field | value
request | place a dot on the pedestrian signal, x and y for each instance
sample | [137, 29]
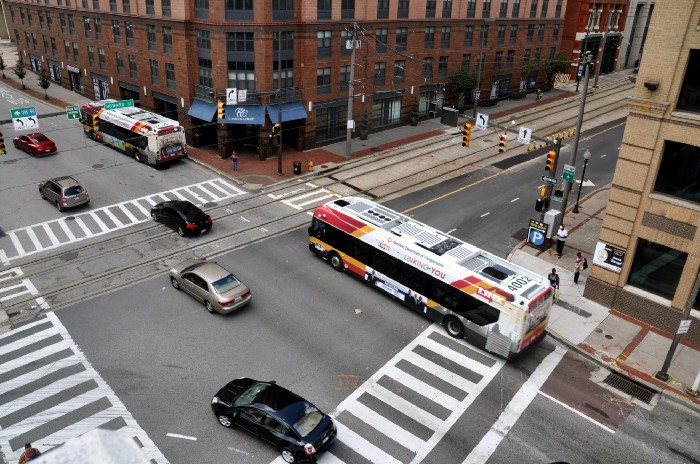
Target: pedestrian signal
[467, 134]
[2, 144]
[502, 143]
[276, 128]
[551, 161]
[220, 110]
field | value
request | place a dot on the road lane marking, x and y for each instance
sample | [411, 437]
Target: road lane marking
[604, 427]
[15, 243]
[113, 218]
[510, 415]
[127, 213]
[81, 224]
[177, 435]
[50, 234]
[485, 214]
[515, 199]
[100, 223]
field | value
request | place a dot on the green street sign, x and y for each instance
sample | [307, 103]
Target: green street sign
[73, 112]
[22, 112]
[119, 104]
[568, 173]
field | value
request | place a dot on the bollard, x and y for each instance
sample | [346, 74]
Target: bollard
[694, 390]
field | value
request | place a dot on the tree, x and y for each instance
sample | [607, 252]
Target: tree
[2, 67]
[20, 71]
[559, 64]
[44, 82]
[462, 82]
[528, 70]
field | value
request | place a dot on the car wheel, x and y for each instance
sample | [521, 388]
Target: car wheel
[15, 144]
[175, 283]
[453, 327]
[209, 307]
[288, 456]
[58, 205]
[41, 193]
[153, 216]
[180, 231]
[336, 262]
[225, 420]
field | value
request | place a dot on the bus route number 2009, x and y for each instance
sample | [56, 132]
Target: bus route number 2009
[519, 283]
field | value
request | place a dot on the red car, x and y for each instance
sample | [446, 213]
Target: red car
[35, 144]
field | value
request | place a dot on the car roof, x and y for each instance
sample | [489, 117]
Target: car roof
[180, 205]
[65, 181]
[211, 271]
[282, 402]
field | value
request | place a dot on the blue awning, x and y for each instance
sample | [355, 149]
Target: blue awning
[290, 111]
[203, 110]
[244, 114]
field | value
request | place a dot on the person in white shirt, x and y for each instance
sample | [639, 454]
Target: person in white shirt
[561, 238]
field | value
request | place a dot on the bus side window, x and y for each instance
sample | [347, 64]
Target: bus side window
[318, 229]
[476, 311]
[358, 249]
[446, 295]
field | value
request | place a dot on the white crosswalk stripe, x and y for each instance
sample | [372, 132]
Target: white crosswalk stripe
[304, 196]
[398, 415]
[49, 392]
[47, 235]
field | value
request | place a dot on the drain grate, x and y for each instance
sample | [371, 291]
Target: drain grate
[630, 387]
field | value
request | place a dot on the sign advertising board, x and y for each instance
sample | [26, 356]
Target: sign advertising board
[609, 257]
[536, 234]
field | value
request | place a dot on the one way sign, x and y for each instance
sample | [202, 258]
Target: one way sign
[24, 118]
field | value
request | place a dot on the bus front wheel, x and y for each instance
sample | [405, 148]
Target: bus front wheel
[336, 262]
[453, 327]
[137, 156]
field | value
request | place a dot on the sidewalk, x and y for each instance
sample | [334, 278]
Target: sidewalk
[616, 341]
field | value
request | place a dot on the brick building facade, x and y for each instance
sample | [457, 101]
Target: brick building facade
[653, 213]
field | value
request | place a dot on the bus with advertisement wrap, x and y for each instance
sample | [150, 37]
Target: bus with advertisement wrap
[492, 303]
[148, 137]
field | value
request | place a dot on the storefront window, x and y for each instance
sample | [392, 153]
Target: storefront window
[657, 268]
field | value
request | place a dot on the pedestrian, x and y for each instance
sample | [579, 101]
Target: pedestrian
[561, 238]
[554, 282]
[579, 266]
[539, 95]
[234, 160]
[29, 454]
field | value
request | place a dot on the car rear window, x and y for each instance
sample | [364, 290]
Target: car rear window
[40, 138]
[309, 421]
[74, 190]
[226, 284]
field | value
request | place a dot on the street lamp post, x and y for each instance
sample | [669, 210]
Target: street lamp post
[586, 157]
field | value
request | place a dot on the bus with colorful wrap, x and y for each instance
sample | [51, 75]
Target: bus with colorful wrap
[148, 137]
[492, 303]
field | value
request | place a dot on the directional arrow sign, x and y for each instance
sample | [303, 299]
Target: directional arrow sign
[482, 121]
[24, 118]
[550, 180]
[73, 112]
[524, 135]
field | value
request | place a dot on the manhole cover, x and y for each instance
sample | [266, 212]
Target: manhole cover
[521, 234]
[633, 389]
[68, 256]
[97, 166]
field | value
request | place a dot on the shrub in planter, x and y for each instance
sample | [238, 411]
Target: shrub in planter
[487, 103]
[518, 96]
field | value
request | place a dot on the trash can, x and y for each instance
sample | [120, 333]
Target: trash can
[449, 117]
[297, 167]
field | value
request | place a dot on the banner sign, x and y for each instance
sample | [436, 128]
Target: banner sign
[609, 257]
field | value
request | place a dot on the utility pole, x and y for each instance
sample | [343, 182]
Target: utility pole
[591, 21]
[599, 65]
[572, 160]
[351, 96]
[279, 101]
[481, 64]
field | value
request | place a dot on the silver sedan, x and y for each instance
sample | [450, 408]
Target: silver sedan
[218, 289]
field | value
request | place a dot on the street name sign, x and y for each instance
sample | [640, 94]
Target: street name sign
[524, 135]
[550, 180]
[73, 112]
[24, 118]
[119, 104]
[568, 173]
[482, 121]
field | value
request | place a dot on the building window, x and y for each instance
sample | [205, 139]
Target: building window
[445, 37]
[471, 8]
[88, 29]
[399, 71]
[323, 81]
[442, 66]
[484, 34]
[555, 32]
[49, 21]
[466, 62]
[657, 268]
[126, 6]
[486, 10]
[133, 70]
[382, 9]
[516, 8]
[468, 36]
[540, 33]
[557, 9]
[71, 24]
[401, 39]
[96, 5]
[323, 44]
[54, 49]
[112, 5]
[429, 37]
[40, 14]
[165, 7]
[498, 62]
[382, 38]
[98, 28]
[120, 63]
[689, 99]
[347, 9]
[513, 33]
[501, 34]
[167, 39]
[428, 69]
[129, 32]
[76, 53]
[244, 42]
[150, 7]
[430, 6]
[679, 172]
[151, 36]
[201, 9]
[203, 40]
[101, 58]
[538, 55]
[241, 74]
[344, 77]
[545, 6]
[287, 74]
[170, 76]
[402, 12]
[34, 44]
[62, 20]
[91, 56]
[29, 18]
[530, 32]
[66, 48]
[446, 8]
[345, 35]
[533, 9]
[379, 73]
[116, 32]
[155, 74]
[323, 9]
[526, 56]
[510, 57]
[204, 72]
[503, 11]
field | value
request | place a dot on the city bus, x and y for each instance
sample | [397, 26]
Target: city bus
[148, 137]
[475, 295]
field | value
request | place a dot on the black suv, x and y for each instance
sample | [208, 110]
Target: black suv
[287, 421]
[183, 216]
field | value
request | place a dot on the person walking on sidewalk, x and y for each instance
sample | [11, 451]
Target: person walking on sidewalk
[579, 266]
[539, 95]
[561, 238]
[554, 282]
[234, 160]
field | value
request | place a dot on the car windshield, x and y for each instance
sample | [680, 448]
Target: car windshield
[40, 138]
[75, 190]
[248, 396]
[309, 421]
[226, 284]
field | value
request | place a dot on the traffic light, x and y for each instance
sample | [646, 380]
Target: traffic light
[220, 110]
[551, 161]
[502, 143]
[276, 129]
[467, 134]
[2, 144]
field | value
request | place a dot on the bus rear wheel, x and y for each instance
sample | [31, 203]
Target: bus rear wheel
[453, 327]
[137, 156]
[336, 262]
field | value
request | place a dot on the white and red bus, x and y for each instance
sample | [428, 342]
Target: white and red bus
[474, 294]
[148, 137]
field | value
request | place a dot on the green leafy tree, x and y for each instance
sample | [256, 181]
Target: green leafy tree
[559, 64]
[20, 71]
[462, 82]
[529, 70]
[2, 67]
[44, 82]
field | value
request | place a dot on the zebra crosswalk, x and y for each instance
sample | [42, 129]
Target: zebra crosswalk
[49, 392]
[401, 413]
[74, 228]
[304, 195]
